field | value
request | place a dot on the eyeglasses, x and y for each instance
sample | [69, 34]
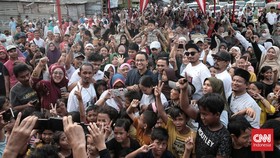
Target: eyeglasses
[140, 60]
[188, 53]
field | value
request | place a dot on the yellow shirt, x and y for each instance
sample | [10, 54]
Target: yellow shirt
[264, 112]
[253, 77]
[176, 141]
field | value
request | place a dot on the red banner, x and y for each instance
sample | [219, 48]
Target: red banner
[143, 5]
[202, 5]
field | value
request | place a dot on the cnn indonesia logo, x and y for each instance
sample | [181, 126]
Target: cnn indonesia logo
[262, 140]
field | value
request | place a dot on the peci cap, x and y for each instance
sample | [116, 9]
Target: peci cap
[155, 44]
[222, 55]
[242, 73]
[10, 47]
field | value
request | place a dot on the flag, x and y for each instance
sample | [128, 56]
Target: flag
[202, 5]
[143, 5]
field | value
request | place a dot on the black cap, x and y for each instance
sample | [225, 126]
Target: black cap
[191, 45]
[222, 55]
[242, 73]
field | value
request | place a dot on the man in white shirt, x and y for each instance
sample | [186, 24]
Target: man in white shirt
[196, 71]
[94, 59]
[37, 40]
[221, 62]
[271, 18]
[86, 87]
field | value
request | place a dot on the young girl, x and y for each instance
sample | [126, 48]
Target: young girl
[256, 90]
[146, 87]
[267, 77]
[62, 144]
[121, 140]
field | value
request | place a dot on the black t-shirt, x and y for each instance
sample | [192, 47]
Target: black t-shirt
[116, 147]
[245, 152]
[149, 154]
[212, 142]
[2, 80]
[273, 154]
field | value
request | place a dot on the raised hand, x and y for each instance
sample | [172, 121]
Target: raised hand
[158, 89]
[145, 148]
[43, 61]
[134, 103]
[120, 59]
[78, 93]
[98, 135]
[53, 109]
[74, 133]
[20, 135]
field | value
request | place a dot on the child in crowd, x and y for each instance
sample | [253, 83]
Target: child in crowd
[175, 124]
[106, 117]
[212, 137]
[91, 114]
[157, 148]
[143, 124]
[240, 132]
[121, 138]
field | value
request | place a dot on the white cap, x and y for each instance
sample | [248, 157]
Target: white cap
[155, 45]
[89, 45]
[182, 39]
[86, 19]
[198, 39]
[9, 47]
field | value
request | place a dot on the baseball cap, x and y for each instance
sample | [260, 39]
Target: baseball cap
[76, 55]
[9, 47]
[198, 40]
[155, 44]
[89, 45]
[191, 45]
[222, 55]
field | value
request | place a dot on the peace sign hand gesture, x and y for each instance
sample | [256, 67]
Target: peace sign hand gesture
[78, 93]
[53, 109]
[158, 89]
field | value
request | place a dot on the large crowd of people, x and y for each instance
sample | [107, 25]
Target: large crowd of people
[169, 82]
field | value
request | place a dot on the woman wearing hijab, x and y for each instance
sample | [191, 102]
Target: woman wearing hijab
[109, 71]
[3, 55]
[271, 58]
[49, 91]
[53, 54]
[114, 97]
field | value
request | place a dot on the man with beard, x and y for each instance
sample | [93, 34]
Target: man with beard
[85, 87]
[21, 94]
[221, 62]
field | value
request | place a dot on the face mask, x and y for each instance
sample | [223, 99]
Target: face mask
[264, 34]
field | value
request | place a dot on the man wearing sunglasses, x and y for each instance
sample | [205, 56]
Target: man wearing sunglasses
[221, 62]
[196, 71]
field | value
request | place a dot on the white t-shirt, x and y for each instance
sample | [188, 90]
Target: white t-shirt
[226, 78]
[149, 99]
[111, 102]
[271, 18]
[243, 101]
[88, 95]
[75, 76]
[197, 74]
[40, 42]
